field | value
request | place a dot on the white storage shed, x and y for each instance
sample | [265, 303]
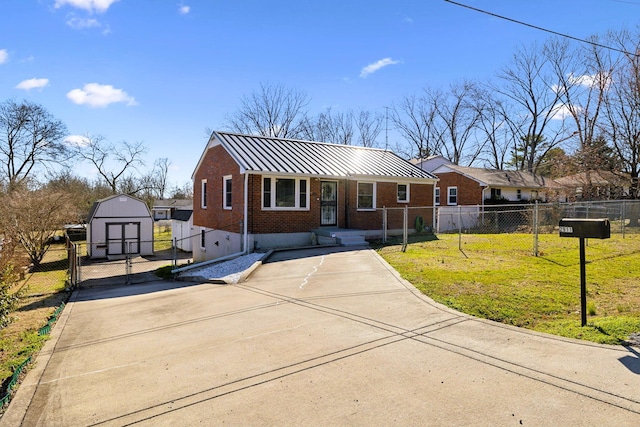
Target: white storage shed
[182, 229]
[119, 225]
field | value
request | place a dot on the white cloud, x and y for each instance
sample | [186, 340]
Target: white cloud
[183, 9]
[372, 68]
[97, 95]
[561, 112]
[77, 141]
[82, 23]
[32, 84]
[90, 6]
[4, 56]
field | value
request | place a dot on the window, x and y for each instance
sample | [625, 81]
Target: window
[202, 239]
[366, 195]
[519, 194]
[285, 193]
[496, 193]
[203, 194]
[403, 193]
[302, 196]
[226, 189]
[437, 196]
[453, 195]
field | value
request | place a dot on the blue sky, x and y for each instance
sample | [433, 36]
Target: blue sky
[161, 72]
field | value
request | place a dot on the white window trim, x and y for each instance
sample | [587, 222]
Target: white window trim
[203, 194]
[273, 194]
[224, 191]
[373, 208]
[408, 199]
[449, 196]
[437, 196]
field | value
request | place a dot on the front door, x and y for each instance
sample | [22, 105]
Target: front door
[329, 203]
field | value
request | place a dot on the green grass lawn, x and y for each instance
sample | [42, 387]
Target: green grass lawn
[496, 277]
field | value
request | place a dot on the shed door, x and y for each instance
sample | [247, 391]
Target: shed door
[123, 238]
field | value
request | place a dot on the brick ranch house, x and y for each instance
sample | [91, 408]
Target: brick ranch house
[460, 185]
[261, 192]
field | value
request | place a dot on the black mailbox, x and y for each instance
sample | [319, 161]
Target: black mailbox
[585, 228]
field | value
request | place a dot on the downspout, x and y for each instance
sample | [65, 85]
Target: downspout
[245, 226]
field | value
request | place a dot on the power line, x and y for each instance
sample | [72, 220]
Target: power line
[541, 28]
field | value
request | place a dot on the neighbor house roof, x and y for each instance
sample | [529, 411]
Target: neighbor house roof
[260, 154]
[499, 178]
[172, 203]
[596, 177]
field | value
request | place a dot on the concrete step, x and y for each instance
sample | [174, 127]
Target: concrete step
[352, 240]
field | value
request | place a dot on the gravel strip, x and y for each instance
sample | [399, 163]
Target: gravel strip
[228, 271]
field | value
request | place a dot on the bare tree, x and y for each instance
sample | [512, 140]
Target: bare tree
[457, 117]
[33, 217]
[115, 163]
[414, 117]
[30, 138]
[529, 82]
[328, 126]
[159, 175]
[495, 129]
[369, 126]
[622, 107]
[272, 111]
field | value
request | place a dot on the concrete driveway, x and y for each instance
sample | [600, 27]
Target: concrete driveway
[316, 338]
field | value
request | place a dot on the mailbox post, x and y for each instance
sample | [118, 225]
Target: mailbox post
[584, 229]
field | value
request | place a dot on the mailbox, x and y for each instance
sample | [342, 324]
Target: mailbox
[585, 228]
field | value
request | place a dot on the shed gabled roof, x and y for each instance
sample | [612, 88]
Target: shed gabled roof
[500, 178]
[182, 214]
[260, 154]
[97, 203]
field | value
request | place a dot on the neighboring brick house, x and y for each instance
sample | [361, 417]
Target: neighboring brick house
[461, 185]
[254, 191]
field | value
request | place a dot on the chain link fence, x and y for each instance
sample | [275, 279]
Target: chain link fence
[530, 227]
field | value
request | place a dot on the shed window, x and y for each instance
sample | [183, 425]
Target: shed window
[366, 195]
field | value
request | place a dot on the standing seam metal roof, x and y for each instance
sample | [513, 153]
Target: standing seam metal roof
[290, 156]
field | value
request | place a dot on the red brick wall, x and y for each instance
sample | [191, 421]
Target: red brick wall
[282, 221]
[387, 196]
[469, 191]
[216, 164]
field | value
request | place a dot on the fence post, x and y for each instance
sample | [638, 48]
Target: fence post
[459, 227]
[405, 228]
[174, 252]
[535, 228]
[623, 218]
[384, 224]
